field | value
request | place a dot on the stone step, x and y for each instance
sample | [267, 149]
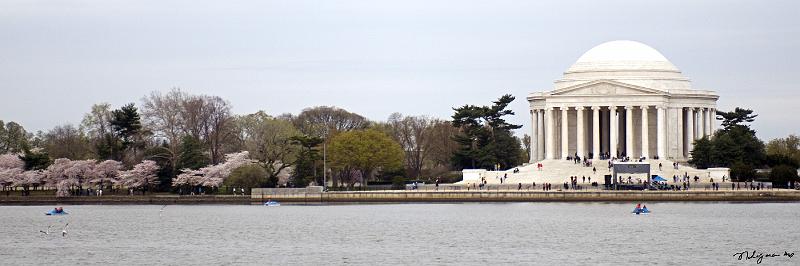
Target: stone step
[559, 171]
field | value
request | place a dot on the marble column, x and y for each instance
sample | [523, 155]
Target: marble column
[707, 126]
[689, 131]
[540, 135]
[581, 136]
[564, 132]
[697, 124]
[550, 141]
[534, 139]
[645, 130]
[629, 131]
[595, 132]
[660, 127]
[614, 125]
[713, 120]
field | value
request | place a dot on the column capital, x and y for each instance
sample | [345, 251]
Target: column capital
[661, 107]
[644, 107]
[596, 107]
[628, 107]
[580, 108]
[564, 108]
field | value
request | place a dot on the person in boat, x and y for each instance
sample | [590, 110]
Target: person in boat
[58, 210]
[644, 209]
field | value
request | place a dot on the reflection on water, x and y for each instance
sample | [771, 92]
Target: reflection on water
[519, 233]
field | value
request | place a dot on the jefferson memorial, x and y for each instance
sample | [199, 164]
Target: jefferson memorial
[620, 99]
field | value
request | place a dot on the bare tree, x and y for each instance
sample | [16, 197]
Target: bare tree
[177, 114]
[193, 115]
[414, 133]
[328, 120]
[97, 123]
[163, 115]
[216, 125]
[442, 144]
[66, 142]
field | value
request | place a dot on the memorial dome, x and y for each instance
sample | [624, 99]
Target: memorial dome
[622, 55]
[625, 61]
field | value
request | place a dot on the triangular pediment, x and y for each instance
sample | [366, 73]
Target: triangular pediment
[606, 87]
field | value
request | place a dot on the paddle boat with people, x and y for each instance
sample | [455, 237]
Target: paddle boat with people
[272, 203]
[56, 211]
[639, 209]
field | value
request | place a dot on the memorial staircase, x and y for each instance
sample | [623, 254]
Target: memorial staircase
[559, 171]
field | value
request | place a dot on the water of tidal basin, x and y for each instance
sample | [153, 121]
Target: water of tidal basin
[460, 234]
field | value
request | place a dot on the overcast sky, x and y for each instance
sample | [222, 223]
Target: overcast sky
[57, 58]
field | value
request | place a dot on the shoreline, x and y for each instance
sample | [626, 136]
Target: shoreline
[420, 197]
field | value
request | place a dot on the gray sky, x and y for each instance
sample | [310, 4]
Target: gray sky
[57, 58]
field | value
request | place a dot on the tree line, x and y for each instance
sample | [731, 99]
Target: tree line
[185, 138]
[736, 146]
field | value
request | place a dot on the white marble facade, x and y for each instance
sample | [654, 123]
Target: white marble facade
[620, 98]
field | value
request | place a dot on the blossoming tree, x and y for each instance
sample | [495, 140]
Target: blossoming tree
[142, 176]
[212, 176]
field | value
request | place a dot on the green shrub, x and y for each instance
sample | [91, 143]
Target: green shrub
[782, 175]
[451, 177]
[247, 176]
[398, 182]
[742, 172]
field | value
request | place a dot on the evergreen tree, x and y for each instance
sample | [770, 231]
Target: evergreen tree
[305, 164]
[35, 160]
[166, 171]
[702, 154]
[127, 124]
[486, 139]
[191, 156]
[735, 145]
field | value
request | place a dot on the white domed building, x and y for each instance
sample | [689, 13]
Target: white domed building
[621, 98]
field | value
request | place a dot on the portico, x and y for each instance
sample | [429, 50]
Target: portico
[620, 99]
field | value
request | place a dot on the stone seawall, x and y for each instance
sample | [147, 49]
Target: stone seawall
[419, 197]
[528, 196]
[157, 199]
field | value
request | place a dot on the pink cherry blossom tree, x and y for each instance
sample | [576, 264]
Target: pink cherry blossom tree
[29, 178]
[141, 176]
[9, 176]
[80, 173]
[57, 175]
[106, 173]
[9, 161]
[213, 175]
[11, 166]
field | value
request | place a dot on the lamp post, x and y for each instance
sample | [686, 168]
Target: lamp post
[325, 161]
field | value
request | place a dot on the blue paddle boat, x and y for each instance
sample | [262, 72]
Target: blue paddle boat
[272, 203]
[56, 211]
[640, 210]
